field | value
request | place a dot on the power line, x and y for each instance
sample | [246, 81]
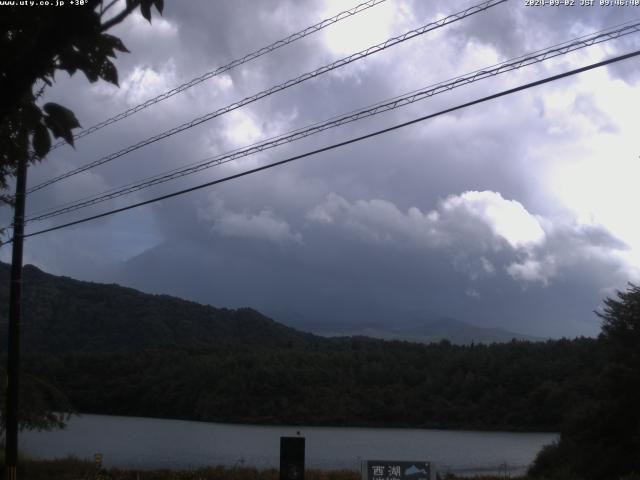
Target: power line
[225, 68]
[593, 38]
[341, 144]
[289, 83]
[391, 104]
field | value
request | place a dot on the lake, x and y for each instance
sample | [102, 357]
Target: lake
[150, 443]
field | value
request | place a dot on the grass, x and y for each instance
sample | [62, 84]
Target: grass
[72, 468]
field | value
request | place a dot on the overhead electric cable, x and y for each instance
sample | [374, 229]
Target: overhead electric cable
[225, 68]
[387, 105]
[341, 144]
[289, 83]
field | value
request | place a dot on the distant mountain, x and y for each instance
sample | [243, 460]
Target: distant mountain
[430, 331]
[63, 315]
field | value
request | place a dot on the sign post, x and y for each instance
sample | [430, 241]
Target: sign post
[291, 458]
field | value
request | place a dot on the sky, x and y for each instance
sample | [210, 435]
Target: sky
[515, 213]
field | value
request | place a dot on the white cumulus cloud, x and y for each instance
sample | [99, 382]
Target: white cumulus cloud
[507, 219]
[482, 233]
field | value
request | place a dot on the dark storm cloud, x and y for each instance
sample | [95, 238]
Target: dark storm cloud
[368, 262]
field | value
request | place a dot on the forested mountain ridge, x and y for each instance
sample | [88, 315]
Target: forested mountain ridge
[429, 330]
[351, 382]
[63, 315]
[115, 350]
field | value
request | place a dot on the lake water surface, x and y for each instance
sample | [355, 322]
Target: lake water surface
[158, 443]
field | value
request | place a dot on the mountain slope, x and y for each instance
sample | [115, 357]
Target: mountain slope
[456, 331]
[412, 328]
[63, 315]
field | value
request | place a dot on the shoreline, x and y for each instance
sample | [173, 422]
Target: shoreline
[381, 426]
[72, 468]
[147, 443]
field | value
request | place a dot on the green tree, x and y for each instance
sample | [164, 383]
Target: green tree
[621, 381]
[43, 406]
[35, 43]
[601, 437]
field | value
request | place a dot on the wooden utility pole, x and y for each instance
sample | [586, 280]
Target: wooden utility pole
[15, 316]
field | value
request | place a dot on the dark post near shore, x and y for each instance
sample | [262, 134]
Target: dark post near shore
[292, 458]
[15, 315]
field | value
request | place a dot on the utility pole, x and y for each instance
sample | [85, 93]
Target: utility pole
[15, 316]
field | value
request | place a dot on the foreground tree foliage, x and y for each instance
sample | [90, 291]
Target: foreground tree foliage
[35, 43]
[43, 406]
[600, 437]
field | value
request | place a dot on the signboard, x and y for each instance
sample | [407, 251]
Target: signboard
[291, 458]
[397, 470]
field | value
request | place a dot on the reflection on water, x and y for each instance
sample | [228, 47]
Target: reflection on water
[151, 443]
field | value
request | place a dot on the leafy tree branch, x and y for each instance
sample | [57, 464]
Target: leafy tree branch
[34, 46]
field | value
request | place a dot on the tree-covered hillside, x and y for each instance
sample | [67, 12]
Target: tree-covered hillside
[63, 315]
[358, 381]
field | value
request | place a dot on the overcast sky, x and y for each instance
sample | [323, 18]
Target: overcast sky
[517, 213]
